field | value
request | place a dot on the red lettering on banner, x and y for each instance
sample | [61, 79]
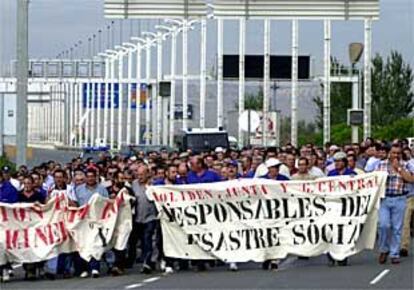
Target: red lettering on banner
[306, 188]
[11, 239]
[50, 233]
[63, 231]
[284, 187]
[26, 237]
[264, 190]
[342, 185]
[81, 213]
[361, 184]
[108, 209]
[160, 198]
[19, 214]
[331, 186]
[41, 234]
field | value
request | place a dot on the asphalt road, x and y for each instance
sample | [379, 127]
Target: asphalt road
[363, 272]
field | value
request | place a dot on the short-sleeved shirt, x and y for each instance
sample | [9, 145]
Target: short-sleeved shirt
[8, 193]
[372, 164]
[208, 176]
[84, 193]
[395, 185]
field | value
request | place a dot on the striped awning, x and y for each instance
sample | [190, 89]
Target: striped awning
[146, 9]
[299, 9]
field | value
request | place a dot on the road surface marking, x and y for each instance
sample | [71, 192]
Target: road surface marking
[146, 281]
[379, 277]
[133, 286]
[150, 280]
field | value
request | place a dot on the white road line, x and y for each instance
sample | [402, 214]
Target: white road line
[132, 286]
[150, 280]
[379, 277]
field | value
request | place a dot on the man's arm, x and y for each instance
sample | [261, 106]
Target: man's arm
[406, 175]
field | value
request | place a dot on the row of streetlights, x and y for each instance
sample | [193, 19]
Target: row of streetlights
[116, 56]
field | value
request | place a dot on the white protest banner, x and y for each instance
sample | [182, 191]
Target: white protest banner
[33, 234]
[258, 219]
[101, 225]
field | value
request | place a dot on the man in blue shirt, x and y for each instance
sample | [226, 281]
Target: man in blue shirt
[199, 172]
[8, 193]
[83, 194]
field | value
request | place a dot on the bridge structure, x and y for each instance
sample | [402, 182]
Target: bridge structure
[97, 99]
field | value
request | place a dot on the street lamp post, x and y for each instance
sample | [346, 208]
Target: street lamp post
[149, 40]
[131, 47]
[122, 52]
[141, 42]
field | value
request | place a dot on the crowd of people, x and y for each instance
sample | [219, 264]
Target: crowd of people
[107, 175]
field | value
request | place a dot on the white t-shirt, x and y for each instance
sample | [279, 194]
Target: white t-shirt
[316, 171]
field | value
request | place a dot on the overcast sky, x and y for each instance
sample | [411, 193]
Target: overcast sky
[55, 25]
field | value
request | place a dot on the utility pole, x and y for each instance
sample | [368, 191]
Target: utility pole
[22, 52]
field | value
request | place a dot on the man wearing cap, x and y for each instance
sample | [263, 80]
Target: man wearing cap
[341, 168]
[273, 166]
[232, 170]
[219, 153]
[6, 171]
[341, 165]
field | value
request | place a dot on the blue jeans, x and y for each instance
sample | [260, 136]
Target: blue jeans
[391, 220]
[61, 264]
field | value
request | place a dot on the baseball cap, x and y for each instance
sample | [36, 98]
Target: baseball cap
[232, 163]
[5, 169]
[333, 148]
[219, 150]
[339, 156]
[272, 162]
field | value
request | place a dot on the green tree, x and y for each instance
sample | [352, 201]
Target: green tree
[252, 101]
[392, 93]
[392, 89]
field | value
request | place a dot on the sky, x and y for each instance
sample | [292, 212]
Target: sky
[56, 25]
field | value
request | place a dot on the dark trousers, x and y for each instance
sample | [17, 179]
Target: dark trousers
[160, 246]
[119, 259]
[81, 265]
[143, 232]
